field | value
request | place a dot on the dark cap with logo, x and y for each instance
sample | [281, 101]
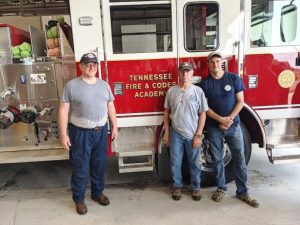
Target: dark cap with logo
[185, 66]
[214, 54]
[89, 58]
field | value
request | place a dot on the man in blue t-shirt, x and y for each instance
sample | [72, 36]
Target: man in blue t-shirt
[225, 98]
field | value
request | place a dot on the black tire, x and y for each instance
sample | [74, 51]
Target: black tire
[207, 172]
[162, 164]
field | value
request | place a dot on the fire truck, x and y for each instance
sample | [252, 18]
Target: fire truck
[139, 44]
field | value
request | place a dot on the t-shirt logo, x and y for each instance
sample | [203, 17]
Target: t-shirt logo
[227, 87]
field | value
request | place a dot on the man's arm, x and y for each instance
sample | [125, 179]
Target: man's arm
[113, 119]
[238, 105]
[197, 139]
[166, 137]
[63, 116]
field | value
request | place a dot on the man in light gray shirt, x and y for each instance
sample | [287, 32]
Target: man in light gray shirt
[85, 106]
[185, 107]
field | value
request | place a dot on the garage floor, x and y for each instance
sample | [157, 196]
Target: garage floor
[39, 194]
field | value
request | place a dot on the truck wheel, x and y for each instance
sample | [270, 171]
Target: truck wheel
[207, 172]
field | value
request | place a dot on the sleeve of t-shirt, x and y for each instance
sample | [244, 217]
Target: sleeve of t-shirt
[202, 85]
[167, 101]
[239, 86]
[66, 94]
[110, 94]
[203, 103]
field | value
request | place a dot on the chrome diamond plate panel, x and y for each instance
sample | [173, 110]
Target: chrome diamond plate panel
[282, 131]
[5, 46]
[69, 70]
[135, 140]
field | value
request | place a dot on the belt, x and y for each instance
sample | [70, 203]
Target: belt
[88, 129]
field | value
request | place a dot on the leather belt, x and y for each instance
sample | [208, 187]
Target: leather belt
[87, 129]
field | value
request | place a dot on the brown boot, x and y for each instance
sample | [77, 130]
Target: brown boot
[81, 208]
[196, 195]
[218, 195]
[102, 200]
[176, 195]
[249, 200]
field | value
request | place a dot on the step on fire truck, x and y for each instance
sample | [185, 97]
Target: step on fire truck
[139, 44]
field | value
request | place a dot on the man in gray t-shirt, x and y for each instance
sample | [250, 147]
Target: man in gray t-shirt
[185, 106]
[85, 107]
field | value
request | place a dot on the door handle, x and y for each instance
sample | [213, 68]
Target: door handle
[45, 69]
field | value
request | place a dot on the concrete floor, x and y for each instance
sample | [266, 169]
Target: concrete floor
[39, 194]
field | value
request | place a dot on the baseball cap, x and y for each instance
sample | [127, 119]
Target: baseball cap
[185, 66]
[89, 58]
[214, 54]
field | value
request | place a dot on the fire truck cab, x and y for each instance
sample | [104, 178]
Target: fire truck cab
[139, 44]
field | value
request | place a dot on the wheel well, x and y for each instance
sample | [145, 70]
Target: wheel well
[254, 125]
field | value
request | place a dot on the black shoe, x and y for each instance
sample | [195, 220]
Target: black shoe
[102, 200]
[81, 208]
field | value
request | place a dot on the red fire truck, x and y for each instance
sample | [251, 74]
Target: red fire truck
[140, 43]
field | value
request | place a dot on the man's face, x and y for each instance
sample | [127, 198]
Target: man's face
[215, 65]
[185, 75]
[89, 69]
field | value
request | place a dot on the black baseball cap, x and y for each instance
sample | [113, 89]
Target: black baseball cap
[88, 58]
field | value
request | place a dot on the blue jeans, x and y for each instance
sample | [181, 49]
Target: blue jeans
[88, 156]
[178, 144]
[234, 139]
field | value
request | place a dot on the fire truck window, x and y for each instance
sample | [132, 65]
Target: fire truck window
[288, 23]
[141, 29]
[274, 23]
[201, 26]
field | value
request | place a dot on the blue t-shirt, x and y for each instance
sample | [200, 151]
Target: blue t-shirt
[221, 95]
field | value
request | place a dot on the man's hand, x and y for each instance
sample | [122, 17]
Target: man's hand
[225, 122]
[65, 141]
[114, 134]
[196, 142]
[166, 139]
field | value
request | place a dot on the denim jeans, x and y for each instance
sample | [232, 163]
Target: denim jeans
[179, 144]
[88, 156]
[234, 139]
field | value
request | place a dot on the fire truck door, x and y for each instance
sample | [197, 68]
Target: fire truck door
[207, 26]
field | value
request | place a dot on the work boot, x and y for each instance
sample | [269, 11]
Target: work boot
[102, 200]
[218, 195]
[176, 195]
[249, 200]
[81, 208]
[196, 195]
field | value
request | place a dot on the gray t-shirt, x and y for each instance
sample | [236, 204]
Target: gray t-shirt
[88, 102]
[185, 106]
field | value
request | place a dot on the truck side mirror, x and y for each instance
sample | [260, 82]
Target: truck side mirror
[288, 23]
